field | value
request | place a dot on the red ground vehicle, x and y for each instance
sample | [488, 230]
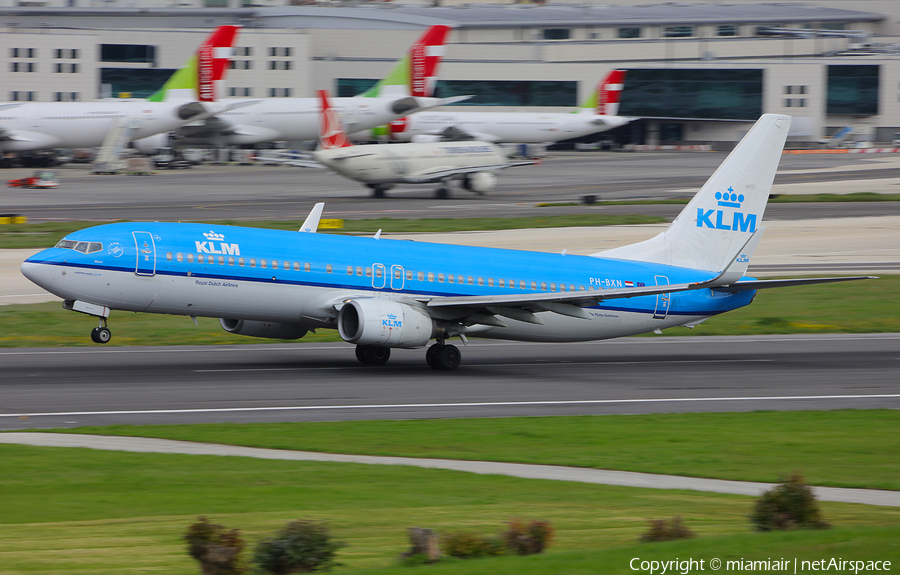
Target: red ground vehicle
[40, 179]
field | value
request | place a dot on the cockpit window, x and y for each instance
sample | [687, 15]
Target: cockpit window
[83, 247]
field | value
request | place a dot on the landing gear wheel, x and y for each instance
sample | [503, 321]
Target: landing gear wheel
[377, 190]
[448, 357]
[101, 335]
[431, 355]
[442, 193]
[372, 355]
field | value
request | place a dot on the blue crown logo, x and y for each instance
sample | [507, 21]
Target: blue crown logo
[730, 199]
[391, 316]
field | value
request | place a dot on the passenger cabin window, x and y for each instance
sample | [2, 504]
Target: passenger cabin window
[190, 258]
[179, 256]
[241, 262]
[349, 270]
[252, 262]
[306, 267]
[328, 268]
[169, 256]
[200, 258]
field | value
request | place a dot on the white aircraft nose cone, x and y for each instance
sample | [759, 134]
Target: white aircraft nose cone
[40, 274]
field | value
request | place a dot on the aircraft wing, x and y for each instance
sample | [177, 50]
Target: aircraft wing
[484, 309]
[442, 173]
[765, 284]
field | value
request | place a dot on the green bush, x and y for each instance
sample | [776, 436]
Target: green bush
[467, 545]
[300, 547]
[527, 538]
[217, 549]
[663, 530]
[789, 505]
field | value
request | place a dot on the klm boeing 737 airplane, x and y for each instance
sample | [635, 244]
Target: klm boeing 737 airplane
[381, 294]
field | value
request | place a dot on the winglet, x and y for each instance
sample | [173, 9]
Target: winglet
[311, 223]
[737, 268]
[331, 129]
[199, 77]
[416, 73]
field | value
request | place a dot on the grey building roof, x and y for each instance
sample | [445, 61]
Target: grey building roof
[399, 17]
[528, 15]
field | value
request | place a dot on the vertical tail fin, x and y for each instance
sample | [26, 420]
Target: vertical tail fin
[331, 129]
[609, 92]
[416, 73]
[721, 218]
[200, 77]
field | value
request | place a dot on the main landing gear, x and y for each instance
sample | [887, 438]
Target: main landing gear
[440, 356]
[443, 356]
[372, 355]
[101, 334]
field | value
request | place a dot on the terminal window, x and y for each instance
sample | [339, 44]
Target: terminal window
[630, 32]
[487, 92]
[678, 31]
[128, 53]
[556, 33]
[733, 94]
[853, 90]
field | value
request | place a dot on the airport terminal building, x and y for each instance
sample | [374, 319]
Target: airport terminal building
[697, 72]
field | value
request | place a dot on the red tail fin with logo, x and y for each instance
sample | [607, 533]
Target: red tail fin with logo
[331, 130]
[609, 92]
[212, 61]
[424, 57]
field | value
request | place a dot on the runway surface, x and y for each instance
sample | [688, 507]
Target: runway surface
[44, 388]
[551, 472]
[248, 193]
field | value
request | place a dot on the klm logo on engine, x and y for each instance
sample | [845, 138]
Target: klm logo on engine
[391, 321]
[718, 219]
[214, 240]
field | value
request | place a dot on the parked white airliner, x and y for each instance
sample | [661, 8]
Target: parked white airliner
[382, 294]
[597, 114]
[406, 89]
[381, 167]
[29, 126]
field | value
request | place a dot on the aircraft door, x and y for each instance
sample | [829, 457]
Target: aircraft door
[378, 276]
[662, 300]
[397, 279]
[145, 264]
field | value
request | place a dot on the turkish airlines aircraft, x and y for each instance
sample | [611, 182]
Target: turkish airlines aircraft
[382, 294]
[406, 89]
[39, 126]
[597, 114]
[381, 167]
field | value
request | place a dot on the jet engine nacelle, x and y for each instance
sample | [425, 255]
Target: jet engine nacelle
[480, 182]
[152, 143]
[266, 329]
[384, 323]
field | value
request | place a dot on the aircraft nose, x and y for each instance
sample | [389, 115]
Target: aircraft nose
[39, 273]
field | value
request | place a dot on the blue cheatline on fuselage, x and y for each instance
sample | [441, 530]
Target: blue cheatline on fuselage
[406, 267]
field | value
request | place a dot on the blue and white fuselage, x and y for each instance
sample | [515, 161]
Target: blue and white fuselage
[382, 294]
[297, 278]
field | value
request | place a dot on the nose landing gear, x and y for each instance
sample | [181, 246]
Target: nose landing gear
[101, 334]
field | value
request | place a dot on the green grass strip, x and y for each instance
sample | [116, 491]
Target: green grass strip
[44, 235]
[76, 511]
[774, 198]
[836, 448]
[868, 306]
